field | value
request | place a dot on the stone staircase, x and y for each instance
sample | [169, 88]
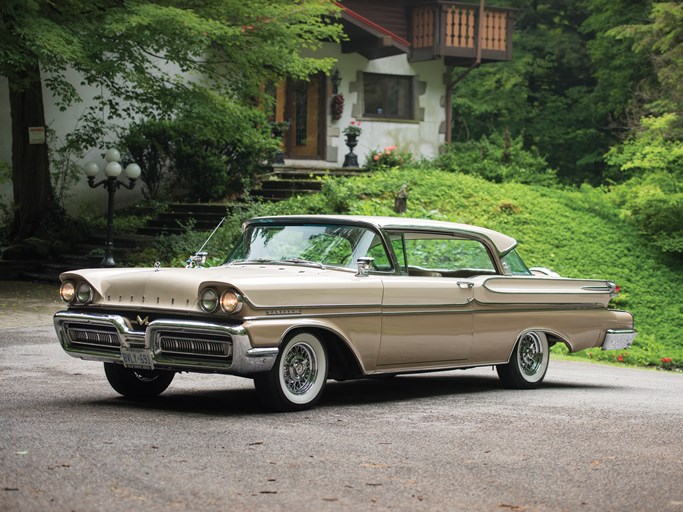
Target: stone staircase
[286, 182]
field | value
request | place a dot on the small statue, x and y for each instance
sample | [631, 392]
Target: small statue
[401, 201]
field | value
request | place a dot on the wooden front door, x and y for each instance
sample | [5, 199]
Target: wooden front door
[305, 111]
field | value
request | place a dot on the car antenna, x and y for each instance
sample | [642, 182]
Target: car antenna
[199, 258]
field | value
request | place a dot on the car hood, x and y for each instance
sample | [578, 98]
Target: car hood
[264, 285]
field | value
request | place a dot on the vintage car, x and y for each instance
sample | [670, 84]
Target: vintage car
[304, 299]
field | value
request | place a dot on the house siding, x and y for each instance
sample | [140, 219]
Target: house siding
[392, 15]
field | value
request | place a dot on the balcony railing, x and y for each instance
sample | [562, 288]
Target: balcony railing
[451, 30]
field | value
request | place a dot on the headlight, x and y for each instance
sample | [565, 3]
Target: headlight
[231, 302]
[83, 293]
[208, 300]
[67, 291]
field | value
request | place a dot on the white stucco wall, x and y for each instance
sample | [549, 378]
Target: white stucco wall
[422, 138]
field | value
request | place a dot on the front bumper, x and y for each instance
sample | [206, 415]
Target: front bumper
[619, 339]
[180, 345]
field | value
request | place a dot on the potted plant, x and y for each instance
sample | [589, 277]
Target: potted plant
[352, 131]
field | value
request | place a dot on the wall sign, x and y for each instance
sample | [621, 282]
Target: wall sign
[36, 135]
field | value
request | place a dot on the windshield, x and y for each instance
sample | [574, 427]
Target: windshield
[325, 244]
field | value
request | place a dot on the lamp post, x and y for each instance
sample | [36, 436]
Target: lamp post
[112, 171]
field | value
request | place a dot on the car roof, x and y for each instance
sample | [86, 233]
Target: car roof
[503, 243]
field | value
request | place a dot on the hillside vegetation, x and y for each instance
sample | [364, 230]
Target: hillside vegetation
[578, 233]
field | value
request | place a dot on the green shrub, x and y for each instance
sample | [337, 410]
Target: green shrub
[149, 143]
[387, 158]
[498, 161]
[653, 198]
[212, 150]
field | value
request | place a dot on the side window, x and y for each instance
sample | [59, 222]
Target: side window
[398, 246]
[446, 256]
[377, 251]
[515, 265]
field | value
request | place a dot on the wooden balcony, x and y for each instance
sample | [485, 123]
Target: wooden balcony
[450, 30]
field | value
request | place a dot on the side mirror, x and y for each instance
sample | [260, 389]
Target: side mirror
[364, 266]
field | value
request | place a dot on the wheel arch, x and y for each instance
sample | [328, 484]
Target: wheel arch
[554, 337]
[343, 362]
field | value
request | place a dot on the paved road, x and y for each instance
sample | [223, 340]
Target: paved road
[594, 438]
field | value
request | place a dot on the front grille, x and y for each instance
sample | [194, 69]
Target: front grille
[101, 336]
[195, 344]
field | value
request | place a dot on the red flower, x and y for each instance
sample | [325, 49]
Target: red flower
[620, 359]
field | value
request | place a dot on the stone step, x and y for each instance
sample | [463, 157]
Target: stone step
[291, 184]
[278, 194]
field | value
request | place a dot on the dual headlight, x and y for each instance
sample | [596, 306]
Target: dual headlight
[229, 301]
[76, 292]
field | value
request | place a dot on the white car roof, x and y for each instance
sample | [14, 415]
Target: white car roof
[503, 243]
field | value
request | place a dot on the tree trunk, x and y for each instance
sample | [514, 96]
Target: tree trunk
[33, 197]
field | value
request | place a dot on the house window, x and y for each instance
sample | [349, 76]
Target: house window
[388, 96]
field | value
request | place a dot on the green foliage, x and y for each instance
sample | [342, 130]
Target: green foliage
[661, 39]
[387, 158]
[234, 45]
[568, 90]
[212, 157]
[497, 159]
[200, 152]
[149, 143]
[126, 221]
[653, 198]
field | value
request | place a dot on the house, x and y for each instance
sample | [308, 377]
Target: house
[395, 75]
[394, 72]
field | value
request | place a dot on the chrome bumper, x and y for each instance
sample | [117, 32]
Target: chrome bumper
[181, 345]
[618, 339]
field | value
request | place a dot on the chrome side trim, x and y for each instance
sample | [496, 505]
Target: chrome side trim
[618, 339]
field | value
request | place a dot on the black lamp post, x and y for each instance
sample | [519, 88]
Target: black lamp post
[112, 171]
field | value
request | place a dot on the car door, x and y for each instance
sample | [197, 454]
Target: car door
[427, 311]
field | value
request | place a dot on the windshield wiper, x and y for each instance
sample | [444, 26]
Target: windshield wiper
[256, 261]
[295, 261]
[300, 261]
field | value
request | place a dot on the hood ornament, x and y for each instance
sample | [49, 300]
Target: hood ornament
[157, 266]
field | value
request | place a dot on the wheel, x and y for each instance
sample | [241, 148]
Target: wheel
[137, 384]
[528, 362]
[298, 377]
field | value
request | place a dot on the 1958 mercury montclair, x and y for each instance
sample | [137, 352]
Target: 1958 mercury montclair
[304, 299]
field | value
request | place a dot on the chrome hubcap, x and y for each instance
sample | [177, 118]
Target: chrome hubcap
[299, 368]
[530, 353]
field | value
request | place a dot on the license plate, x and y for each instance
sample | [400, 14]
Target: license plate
[137, 358]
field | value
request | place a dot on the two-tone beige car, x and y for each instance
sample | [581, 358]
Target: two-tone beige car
[304, 299]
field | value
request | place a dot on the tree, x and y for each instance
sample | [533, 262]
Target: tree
[144, 58]
[567, 89]
[652, 154]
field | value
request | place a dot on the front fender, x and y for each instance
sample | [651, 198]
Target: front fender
[363, 330]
